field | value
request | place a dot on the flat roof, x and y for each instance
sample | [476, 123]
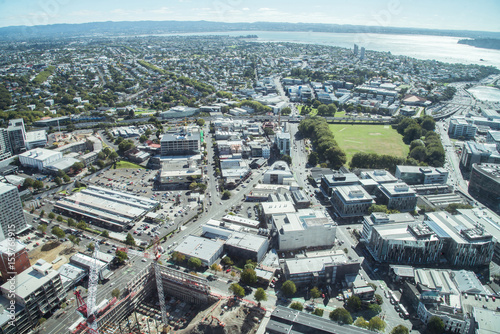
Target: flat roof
[36, 135]
[39, 154]
[29, 281]
[353, 193]
[270, 208]
[487, 321]
[202, 248]
[314, 264]
[6, 246]
[246, 241]
[398, 188]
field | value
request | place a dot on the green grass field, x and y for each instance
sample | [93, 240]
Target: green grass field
[380, 139]
[315, 111]
[127, 164]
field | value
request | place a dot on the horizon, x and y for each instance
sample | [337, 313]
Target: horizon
[426, 14]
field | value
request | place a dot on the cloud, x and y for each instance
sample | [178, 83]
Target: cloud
[246, 8]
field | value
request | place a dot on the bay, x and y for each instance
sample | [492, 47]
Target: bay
[485, 93]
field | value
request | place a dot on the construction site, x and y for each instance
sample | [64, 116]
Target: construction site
[161, 299]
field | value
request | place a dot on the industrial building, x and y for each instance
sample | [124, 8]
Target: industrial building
[303, 229]
[317, 269]
[484, 185]
[12, 220]
[39, 158]
[271, 208]
[37, 292]
[105, 207]
[421, 175]
[84, 261]
[177, 173]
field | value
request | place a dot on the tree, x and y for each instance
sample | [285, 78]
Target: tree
[400, 329]
[28, 183]
[113, 155]
[374, 309]
[361, 322]
[318, 311]
[78, 166]
[66, 178]
[354, 303]
[58, 180]
[52, 215]
[289, 288]
[193, 186]
[341, 315]
[120, 257]
[336, 157]
[435, 325]
[227, 261]
[41, 321]
[315, 293]
[74, 240]
[143, 138]
[115, 293]
[105, 234]
[42, 213]
[178, 257]
[286, 158]
[129, 240]
[237, 290]
[42, 228]
[194, 262]
[376, 324]
[59, 218]
[81, 225]
[215, 267]
[313, 159]
[38, 184]
[249, 276]
[226, 194]
[260, 295]
[297, 306]
[200, 122]
[91, 247]
[378, 299]
[58, 232]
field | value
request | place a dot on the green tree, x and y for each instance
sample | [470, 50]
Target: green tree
[289, 288]
[58, 180]
[361, 322]
[318, 311]
[81, 225]
[297, 306]
[249, 276]
[194, 262]
[59, 218]
[178, 257]
[42, 228]
[313, 159]
[376, 324]
[28, 182]
[66, 178]
[286, 158]
[237, 290]
[71, 222]
[435, 325]
[193, 186]
[52, 215]
[78, 166]
[105, 234]
[58, 232]
[129, 240]
[200, 122]
[315, 293]
[400, 329]
[226, 194]
[378, 299]
[113, 155]
[120, 257]
[143, 138]
[374, 309]
[215, 267]
[91, 246]
[341, 315]
[260, 295]
[74, 240]
[227, 261]
[42, 213]
[38, 184]
[354, 303]
[115, 293]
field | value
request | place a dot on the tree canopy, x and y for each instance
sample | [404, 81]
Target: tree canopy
[289, 288]
[341, 315]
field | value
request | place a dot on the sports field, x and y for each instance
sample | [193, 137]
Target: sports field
[380, 139]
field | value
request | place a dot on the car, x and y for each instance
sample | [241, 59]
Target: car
[271, 285]
[143, 260]
[228, 270]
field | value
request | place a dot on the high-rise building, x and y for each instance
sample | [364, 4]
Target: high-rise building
[362, 54]
[186, 142]
[356, 49]
[5, 147]
[13, 258]
[12, 220]
[17, 135]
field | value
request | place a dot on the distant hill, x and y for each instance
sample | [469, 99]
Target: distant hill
[162, 27]
[485, 43]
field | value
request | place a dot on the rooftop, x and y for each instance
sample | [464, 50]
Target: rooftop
[314, 264]
[194, 246]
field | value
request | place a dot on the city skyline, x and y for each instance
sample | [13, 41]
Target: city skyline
[447, 14]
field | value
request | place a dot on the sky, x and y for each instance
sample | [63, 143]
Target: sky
[480, 15]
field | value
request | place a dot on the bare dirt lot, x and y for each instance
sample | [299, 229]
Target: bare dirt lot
[224, 317]
[50, 251]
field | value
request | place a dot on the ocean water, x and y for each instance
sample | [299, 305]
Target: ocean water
[485, 93]
[441, 48]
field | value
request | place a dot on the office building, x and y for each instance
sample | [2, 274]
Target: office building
[493, 137]
[36, 139]
[336, 179]
[397, 196]
[319, 269]
[208, 251]
[304, 229]
[478, 153]
[380, 218]
[421, 175]
[12, 220]
[460, 128]
[5, 147]
[282, 141]
[484, 321]
[13, 258]
[356, 49]
[186, 142]
[350, 201]
[466, 244]
[484, 185]
[17, 135]
[362, 53]
[177, 173]
[37, 292]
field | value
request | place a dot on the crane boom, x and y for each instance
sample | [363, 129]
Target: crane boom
[92, 290]
[159, 282]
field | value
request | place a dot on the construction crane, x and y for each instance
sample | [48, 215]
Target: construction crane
[159, 283]
[87, 310]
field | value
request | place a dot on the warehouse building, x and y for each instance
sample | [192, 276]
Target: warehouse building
[39, 158]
